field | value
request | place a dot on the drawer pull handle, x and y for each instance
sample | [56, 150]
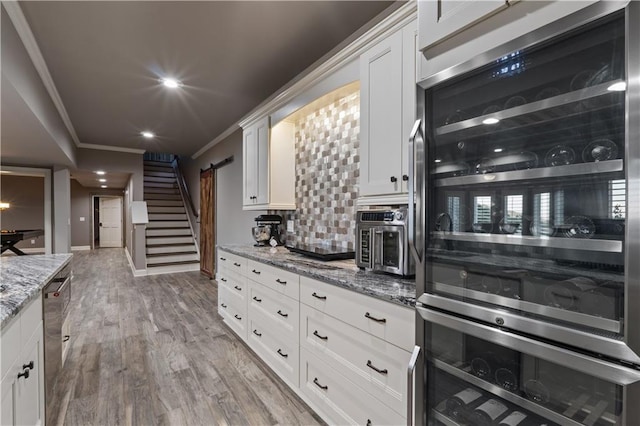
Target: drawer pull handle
[319, 297]
[282, 354]
[66, 338]
[377, 370]
[255, 272]
[279, 281]
[223, 280]
[257, 300]
[256, 333]
[317, 383]
[24, 374]
[237, 317]
[237, 264]
[368, 315]
[237, 288]
[223, 259]
[29, 366]
[315, 333]
[223, 305]
[282, 314]
[369, 420]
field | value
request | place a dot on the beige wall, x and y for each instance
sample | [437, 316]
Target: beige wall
[233, 225]
[81, 208]
[26, 196]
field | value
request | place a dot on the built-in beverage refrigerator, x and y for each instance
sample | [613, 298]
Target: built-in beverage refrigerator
[525, 218]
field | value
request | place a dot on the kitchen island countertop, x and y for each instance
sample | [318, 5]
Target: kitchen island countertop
[342, 273]
[22, 278]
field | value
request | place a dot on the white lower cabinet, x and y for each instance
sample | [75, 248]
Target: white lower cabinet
[342, 352]
[340, 401]
[22, 385]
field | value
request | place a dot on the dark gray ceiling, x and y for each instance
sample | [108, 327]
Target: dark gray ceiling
[106, 58]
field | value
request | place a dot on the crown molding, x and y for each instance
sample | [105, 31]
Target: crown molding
[323, 68]
[26, 35]
[111, 148]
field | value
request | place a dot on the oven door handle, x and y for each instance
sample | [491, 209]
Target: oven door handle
[56, 292]
[411, 187]
[411, 368]
[608, 371]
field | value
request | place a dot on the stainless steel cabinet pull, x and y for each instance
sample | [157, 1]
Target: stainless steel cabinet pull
[255, 272]
[256, 333]
[256, 299]
[66, 338]
[237, 317]
[377, 370]
[282, 314]
[279, 281]
[317, 383]
[319, 297]
[282, 355]
[223, 305]
[237, 264]
[410, 370]
[237, 288]
[223, 280]
[368, 315]
[315, 333]
[223, 259]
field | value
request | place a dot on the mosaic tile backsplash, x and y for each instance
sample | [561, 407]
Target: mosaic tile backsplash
[327, 172]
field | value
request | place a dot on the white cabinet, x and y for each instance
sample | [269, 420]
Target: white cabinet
[268, 164]
[387, 111]
[451, 32]
[442, 19]
[22, 385]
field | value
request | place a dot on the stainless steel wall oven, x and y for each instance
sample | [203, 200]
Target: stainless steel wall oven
[525, 224]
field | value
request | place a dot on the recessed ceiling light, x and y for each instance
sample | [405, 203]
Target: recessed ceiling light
[497, 150]
[620, 86]
[147, 135]
[103, 186]
[100, 172]
[171, 83]
[438, 160]
[102, 180]
[490, 120]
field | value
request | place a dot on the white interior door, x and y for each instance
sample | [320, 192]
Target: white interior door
[110, 222]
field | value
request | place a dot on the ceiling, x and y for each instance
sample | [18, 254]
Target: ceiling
[113, 180]
[106, 59]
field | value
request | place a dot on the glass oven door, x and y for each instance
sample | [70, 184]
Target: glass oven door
[480, 375]
[533, 170]
[389, 248]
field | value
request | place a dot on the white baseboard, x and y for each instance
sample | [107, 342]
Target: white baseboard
[134, 271]
[80, 248]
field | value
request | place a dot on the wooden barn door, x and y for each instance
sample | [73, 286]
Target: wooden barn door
[207, 219]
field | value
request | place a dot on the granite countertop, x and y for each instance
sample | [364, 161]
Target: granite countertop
[22, 278]
[342, 273]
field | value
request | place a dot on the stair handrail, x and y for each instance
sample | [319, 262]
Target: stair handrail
[175, 163]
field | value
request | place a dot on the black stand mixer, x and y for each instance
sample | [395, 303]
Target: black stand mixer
[267, 229]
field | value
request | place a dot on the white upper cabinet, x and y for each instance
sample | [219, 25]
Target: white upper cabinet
[445, 18]
[387, 109]
[268, 164]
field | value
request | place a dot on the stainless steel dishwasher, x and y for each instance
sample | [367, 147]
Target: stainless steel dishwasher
[56, 298]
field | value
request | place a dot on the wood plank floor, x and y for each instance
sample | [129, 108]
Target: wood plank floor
[153, 350]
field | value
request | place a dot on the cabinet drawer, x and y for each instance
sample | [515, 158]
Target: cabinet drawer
[233, 316]
[280, 353]
[232, 261]
[390, 322]
[284, 312]
[368, 361]
[30, 319]
[10, 348]
[339, 399]
[231, 271]
[236, 287]
[279, 280]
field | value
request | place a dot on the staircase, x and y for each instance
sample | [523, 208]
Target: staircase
[171, 246]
